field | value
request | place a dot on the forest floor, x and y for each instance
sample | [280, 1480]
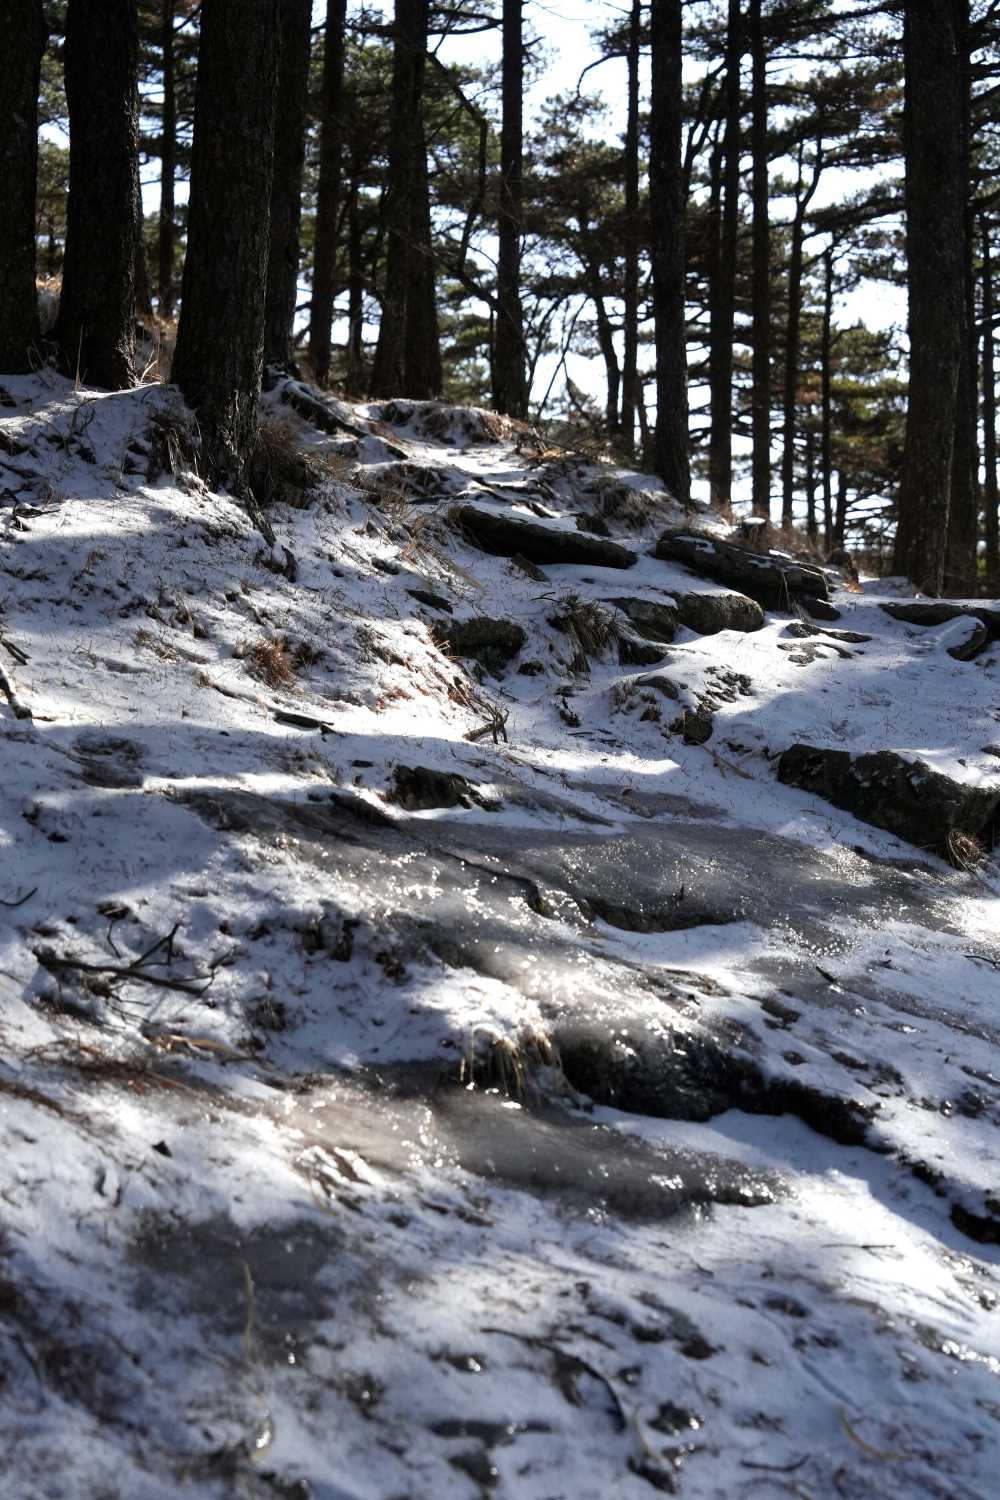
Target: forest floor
[448, 1061]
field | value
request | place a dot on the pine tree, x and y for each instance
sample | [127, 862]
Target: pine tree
[96, 307]
[408, 357]
[510, 391]
[331, 138]
[286, 183]
[220, 340]
[23, 25]
[667, 212]
[935, 247]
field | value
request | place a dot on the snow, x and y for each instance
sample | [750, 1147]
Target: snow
[274, 1227]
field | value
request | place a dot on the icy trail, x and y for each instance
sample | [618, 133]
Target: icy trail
[574, 1110]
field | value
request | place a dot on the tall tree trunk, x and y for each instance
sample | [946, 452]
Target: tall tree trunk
[605, 341]
[840, 519]
[294, 42]
[826, 399]
[761, 399]
[720, 442]
[354, 380]
[935, 244]
[667, 212]
[168, 167]
[510, 389]
[95, 325]
[23, 24]
[407, 349]
[331, 147]
[632, 236]
[423, 371]
[220, 341]
[811, 527]
[960, 577]
[991, 516]
[803, 197]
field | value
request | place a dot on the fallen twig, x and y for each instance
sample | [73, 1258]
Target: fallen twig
[20, 710]
[21, 899]
[867, 1447]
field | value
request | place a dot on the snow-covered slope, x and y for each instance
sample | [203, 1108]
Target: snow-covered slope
[439, 1054]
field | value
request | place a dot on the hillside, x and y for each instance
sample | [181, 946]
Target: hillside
[486, 1007]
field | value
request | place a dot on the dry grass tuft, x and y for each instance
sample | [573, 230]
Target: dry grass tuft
[964, 851]
[286, 469]
[275, 660]
[500, 1062]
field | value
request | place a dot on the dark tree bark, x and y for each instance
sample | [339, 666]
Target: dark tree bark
[667, 212]
[803, 197]
[826, 400]
[22, 25]
[631, 394]
[811, 526]
[354, 379]
[960, 577]
[606, 343]
[761, 397]
[722, 312]
[295, 38]
[424, 373]
[328, 191]
[220, 341]
[168, 167]
[935, 243]
[840, 517]
[407, 357]
[991, 494]
[96, 307]
[510, 387]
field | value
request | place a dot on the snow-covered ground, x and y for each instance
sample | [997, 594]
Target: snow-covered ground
[613, 1119]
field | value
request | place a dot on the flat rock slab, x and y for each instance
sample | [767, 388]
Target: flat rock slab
[772, 581]
[511, 536]
[906, 797]
[940, 611]
[707, 614]
[493, 643]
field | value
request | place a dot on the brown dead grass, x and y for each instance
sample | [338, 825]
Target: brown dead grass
[275, 660]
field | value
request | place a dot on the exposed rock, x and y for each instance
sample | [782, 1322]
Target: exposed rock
[418, 788]
[529, 570]
[842, 559]
[432, 600]
[593, 628]
[709, 613]
[510, 536]
[694, 724]
[490, 642]
[940, 611]
[588, 520]
[802, 629]
[820, 609]
[773, 581]
[906, 797]
[975, 640]
[654, 621]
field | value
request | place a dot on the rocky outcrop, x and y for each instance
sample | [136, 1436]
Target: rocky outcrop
[512, 536]
[905, 797]
[707, 614]
[773, 581]
[492, 643]
[652, 620]
[940, 611]
[418, 788]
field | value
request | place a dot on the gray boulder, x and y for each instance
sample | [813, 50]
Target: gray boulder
[906, 797]
[513, 536]
[775, 582]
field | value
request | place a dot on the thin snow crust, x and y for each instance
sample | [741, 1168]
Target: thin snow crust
[303, 1193]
